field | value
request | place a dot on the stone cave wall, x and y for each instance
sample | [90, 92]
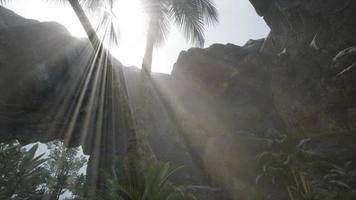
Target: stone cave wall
[300, 79]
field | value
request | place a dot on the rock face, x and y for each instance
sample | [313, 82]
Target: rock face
[313, 84]
[43, 71]
[327, 26]
[235, 83]
[237, 109]
[9, 19]
[218, 102]
[300, 80]
[37, 61]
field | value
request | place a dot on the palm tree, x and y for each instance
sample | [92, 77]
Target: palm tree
[90, 31]
[93, 37]
[189, 15]
[115, 88]
[97, 44]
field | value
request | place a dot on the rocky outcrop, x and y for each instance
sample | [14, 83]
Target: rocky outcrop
[235, 82]
[312, 79]
[9, 19]
[37, 62]
[300, 80]
[326, 26]
[44, 72]
[225, 130]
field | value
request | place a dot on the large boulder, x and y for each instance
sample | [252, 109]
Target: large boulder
[37, 67]
[222, 95]
[313, 91]
[47, 93]
[218, 102]
[298, 24]
[300, 80]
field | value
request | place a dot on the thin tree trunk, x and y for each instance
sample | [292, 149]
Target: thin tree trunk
[97, 45]
[147, 59]
[93, 37]
[56, 193]
[118, 93]
[147, 84]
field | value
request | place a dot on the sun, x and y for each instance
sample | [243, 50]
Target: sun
[132, 35]
[131, 19]
[133, 22]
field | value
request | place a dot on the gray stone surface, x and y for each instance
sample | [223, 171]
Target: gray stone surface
[218, 102]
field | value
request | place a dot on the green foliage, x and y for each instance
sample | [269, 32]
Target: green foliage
[342, 176]
[191, 16]
[286, 155]
[64, 165]
[79, 189]
[342, 180]
[305, 189]
[25, 175]
[304, 175]
[148, 181]
[22, 172]
[188, 15]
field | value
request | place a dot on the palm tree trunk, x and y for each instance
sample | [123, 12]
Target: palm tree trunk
[147, 84]
[147, 59]
[96, 177]
[93, 37]
[97, 45]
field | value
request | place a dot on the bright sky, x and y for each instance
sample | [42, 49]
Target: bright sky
[238, 23]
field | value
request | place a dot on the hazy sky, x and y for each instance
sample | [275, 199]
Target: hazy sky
[238, 23]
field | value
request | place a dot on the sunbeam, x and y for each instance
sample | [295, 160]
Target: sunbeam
[132, 38]
[270, 118]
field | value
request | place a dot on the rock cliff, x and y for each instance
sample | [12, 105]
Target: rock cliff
[37, 61]
[313, 77]
[219, 101]
[299, 80]
[43, 71]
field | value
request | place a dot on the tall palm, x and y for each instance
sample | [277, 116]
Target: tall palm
[117, 91]
[190, 16]
[115, 88]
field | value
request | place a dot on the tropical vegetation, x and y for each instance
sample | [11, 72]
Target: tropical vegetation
[149, 180]
[26, 174]
[299, 173]
[22, 172]
[191, 16]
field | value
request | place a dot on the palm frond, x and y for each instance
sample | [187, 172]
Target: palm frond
[208, 10]
[190, 16]
[56, 2]
[186, 16]
[3, 2]
[107, 26]
[159, 28]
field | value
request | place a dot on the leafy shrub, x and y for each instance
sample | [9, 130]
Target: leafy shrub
[22, 174]
[301, 174]
[148, 181]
